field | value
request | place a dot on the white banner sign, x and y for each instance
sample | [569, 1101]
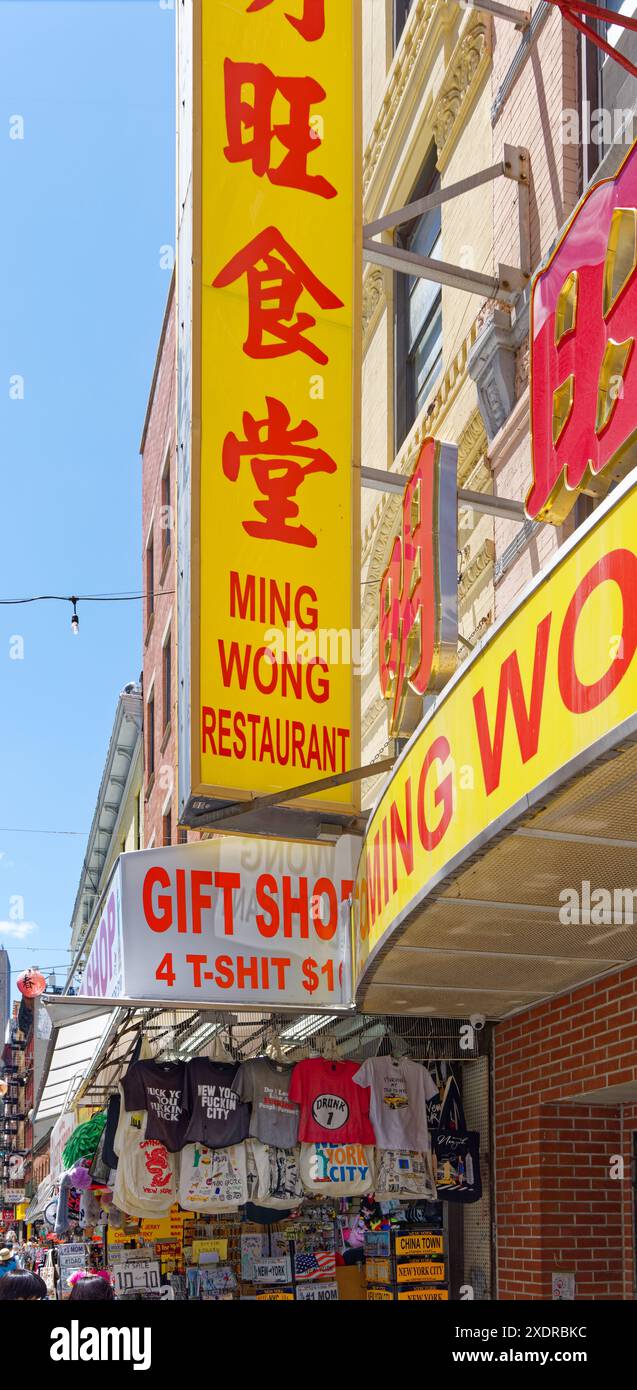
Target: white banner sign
[133, 1273]
[273, 1271]
[102, 978]
[60, 1135]
[317, 1293]
[13, 1196]
[231, 921]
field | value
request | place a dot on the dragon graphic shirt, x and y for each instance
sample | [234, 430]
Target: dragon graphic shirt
[146, 1180]
[399, 1090]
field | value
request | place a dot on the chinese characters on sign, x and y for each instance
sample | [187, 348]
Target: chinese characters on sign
[275, 492]
[583, 367]
[418, 622]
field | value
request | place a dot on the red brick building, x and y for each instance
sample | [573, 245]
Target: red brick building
[159, 568]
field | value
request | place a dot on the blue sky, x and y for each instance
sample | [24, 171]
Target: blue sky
[88, 198]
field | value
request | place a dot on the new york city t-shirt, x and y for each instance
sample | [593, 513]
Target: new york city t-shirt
[217, 1117]
[158, 1087]
[400, 1090]
[266, 1085]
[333, 1109]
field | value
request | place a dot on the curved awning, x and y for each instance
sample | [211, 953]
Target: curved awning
[501, 858]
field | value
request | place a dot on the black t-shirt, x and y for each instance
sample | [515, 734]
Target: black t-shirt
[217, 1117]
[158, 1088]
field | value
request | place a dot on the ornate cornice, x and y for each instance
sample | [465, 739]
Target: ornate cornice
[374, 301]
[469, 62]
[483, 559]
[472, 447]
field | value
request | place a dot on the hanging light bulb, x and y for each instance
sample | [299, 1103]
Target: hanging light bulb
[75, 622]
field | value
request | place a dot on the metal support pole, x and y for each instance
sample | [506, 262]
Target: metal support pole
[506, 286]
[259, 803]
[504, 507]
[520, 18]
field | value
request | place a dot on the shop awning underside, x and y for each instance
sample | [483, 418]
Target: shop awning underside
[490, 940]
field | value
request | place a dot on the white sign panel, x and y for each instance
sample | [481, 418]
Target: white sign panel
[273, 1271]
[103, 978]
[60, 1135]
[235, 921]
[317, 1293]
[12, 1196]
[70, 1258]
[132, 1274]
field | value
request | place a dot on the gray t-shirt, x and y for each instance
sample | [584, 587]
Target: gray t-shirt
[399, 1090]
[265, 1084]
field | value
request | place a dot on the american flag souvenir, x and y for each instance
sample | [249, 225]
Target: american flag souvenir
[318, 1265]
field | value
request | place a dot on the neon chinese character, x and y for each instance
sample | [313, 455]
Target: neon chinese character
[311, 25]
[281, 460]
[418, 624]
[276, 279]
[301, 93]
[583, 368]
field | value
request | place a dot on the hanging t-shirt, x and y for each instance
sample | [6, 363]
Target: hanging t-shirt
[400, 1090]
[337, 1169]
[145, 1182]
[266, 1085]
[332, 1107]
[273, 1175]
[158, 1087]
[217, 1116]
[212, 1179]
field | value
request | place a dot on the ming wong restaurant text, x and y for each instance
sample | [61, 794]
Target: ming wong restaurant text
[235, 921]
[274, 502]
[545, 693]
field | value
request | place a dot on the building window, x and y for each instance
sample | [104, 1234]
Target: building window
[166, 510]
[182, 835]
[150, 735]
[401, 11]
[150, 579]
[418, 325]
[607, 90]
[166, 666]
[167, 828]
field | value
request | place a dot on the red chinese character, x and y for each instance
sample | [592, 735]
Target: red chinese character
[418, 591]
[583, 366]
[276, 279]
[274, 451]
[311, 25]
[301, 93]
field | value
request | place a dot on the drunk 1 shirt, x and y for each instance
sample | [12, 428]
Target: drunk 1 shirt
[217, 1118]
[158, 1088]
[266, 1085]
[400, 1090]
[333, 1109]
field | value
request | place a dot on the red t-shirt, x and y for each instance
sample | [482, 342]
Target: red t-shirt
[332, 1106]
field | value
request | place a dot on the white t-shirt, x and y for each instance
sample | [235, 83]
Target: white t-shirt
[399, 1091]
[213, 1179]
[146, 1177]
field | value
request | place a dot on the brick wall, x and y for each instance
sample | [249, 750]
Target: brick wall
[557, 1207]
[158, 451]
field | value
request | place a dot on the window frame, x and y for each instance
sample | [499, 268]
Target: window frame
[405, 412]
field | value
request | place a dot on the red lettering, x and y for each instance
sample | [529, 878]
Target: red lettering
[268, 924]
[438, 752]
[619, 567]
[200, 878]
[527, 722]
[208, 719]
[162, 919]
[401, 837]
[374, 881]
[196, 962]
[182, 910]
[231, 664]
[295, 906]
[227, 883]
[247, 969]
[225, 975]
[324, 888]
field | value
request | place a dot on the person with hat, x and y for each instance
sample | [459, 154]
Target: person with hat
[8, 1262]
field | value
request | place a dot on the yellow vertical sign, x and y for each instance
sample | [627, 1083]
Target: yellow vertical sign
[275, 483]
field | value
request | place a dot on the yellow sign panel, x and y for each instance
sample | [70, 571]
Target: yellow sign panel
[423, 1295]
[420, 1243]
[525, 713]
[274, 527]
[209, 1247]
[380, 1295]
[416, 1270]
[380, 1270]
